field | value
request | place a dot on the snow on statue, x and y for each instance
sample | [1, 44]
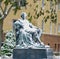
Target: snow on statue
[27, 35]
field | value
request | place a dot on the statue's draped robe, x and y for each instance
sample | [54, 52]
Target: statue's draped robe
[27, 34]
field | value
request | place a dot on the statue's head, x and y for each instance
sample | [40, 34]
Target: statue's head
[23, 15]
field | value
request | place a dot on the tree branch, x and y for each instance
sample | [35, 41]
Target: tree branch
[9, 9]
[1, 13]
[6, 11]
[1, 9]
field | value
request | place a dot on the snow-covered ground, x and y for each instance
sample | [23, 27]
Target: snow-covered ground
[6, 57]
[54, 57]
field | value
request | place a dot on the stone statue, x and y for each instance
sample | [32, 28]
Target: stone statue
[27, 35]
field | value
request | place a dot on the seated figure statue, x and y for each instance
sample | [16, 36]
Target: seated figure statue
[27, 35]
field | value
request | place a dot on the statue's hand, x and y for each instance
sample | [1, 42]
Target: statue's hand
[30, 26]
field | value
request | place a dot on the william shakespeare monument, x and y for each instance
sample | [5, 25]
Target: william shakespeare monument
[28, 43]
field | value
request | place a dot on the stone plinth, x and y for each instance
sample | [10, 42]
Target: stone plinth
[31, 53]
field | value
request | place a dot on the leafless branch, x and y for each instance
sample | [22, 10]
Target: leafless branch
[6, 11]
[9, 9]
[1, 9]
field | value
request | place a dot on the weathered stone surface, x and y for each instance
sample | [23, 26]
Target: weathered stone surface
[41, 53]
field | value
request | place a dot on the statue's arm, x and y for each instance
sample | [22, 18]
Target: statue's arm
[32, 26]
[18, 25]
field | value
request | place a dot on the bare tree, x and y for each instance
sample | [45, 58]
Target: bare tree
[4, 11]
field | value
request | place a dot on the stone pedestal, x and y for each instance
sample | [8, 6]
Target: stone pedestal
[32, 53]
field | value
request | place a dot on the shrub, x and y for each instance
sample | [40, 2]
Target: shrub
[9, 43]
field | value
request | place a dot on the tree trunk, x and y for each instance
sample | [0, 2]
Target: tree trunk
[1, 33]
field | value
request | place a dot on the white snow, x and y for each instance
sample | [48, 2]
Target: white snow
[54, 57]
[0, 57]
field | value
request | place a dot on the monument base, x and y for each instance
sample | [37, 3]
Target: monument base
[41, 53]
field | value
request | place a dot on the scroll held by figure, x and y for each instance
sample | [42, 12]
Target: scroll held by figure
[27, 35]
